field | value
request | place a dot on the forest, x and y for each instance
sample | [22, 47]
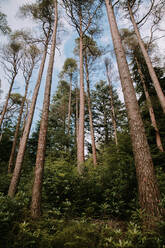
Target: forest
[87, 168]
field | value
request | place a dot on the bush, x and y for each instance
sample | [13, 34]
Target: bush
[82, 233]
[110, 190]
[10, 214]
[77, 234]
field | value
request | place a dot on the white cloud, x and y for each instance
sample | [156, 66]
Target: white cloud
[60, 52]
[145, 30]
[10, 8]
[105, 40]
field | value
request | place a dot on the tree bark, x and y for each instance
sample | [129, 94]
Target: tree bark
[22, 145]
[69, 106]
[112, 107]
[10, 165]
[7, 99]
[90, 115]
[38, 178]
[106, 131]
[25, 116]
[77, 119]
[149, 197]
[150, 108]
[154, 78]
[82, 101]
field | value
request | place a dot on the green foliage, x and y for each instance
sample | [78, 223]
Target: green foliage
[100, 204]
[6, 142]
[107, 191]
[58, 182]
[5, 29]
[90, 49]
[159, 116]
[81, 233]
[69, 68]
[77, 234]
[4, 178]
[160, 177]
[41, 11]
[10, 212]
[92, 210]
[15, 47]
[16, 98]
[101, 110]
[60, 144]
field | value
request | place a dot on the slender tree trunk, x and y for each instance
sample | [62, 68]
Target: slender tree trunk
[105, 125]
[10, 165]
[25, 116]
[69, 106]
[22, 145]
[77, 119]
[112, 107]
[7, 99]
[154, 78]
[149, 196]
[1, 137]
[90, 115]
[150, 108]
[37, 186]
[82, 101]
[0, 89]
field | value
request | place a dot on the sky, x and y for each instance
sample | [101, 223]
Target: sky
[10, 8]
[16, 23]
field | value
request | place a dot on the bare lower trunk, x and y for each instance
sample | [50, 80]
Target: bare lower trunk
[90, 116]
[112, 107]
[10, 165]
[1, 135]
[7, 100]
[25, 116]
[105, 125]
[150, 108]
[154, 78]
[37, 185]
[149, 196]
[77, 120]
[22, 145]
[69, 106]
[82, 101]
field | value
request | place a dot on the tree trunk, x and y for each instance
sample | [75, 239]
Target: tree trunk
[22, 145]
[106, 131]
[10, 165]
[154, 78]
[112, 107]
[90, 115]
[69, 106]
[150, 108]
[37, 186]
[149, 197]
[25, 116]
[82, 101]
[7, 99]
[77, 118]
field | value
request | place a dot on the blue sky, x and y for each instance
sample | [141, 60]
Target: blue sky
[15, 23]
[66, 48]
